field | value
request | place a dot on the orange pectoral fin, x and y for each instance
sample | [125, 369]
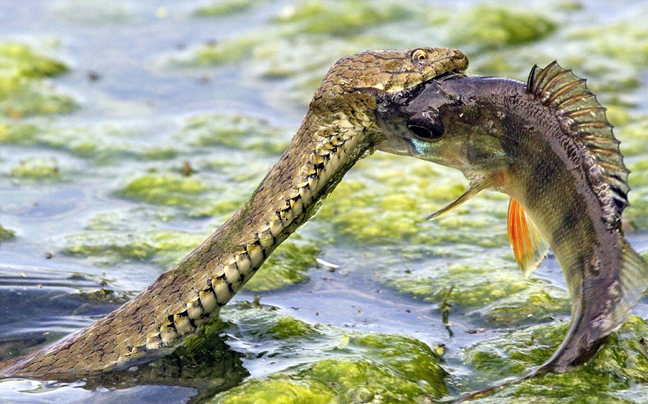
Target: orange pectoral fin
[528, 246]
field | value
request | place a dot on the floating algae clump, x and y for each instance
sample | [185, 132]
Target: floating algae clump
[624, 41]
[114, 237]
[22, 89]
[493, 27]
[359, 367]
[340, 17]
[621, 363]
[235, 131]
[102, 143]
[227, 7]
[6, 234]
[36, 169]
[288, 265]
[109, 248]
[386, 202]
[495, 293]
[164, 189]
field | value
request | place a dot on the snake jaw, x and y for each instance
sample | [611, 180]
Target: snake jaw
[390, 70]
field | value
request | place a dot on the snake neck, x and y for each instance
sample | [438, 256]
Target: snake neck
[191, 294]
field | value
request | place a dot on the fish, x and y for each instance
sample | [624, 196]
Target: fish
[547, 144]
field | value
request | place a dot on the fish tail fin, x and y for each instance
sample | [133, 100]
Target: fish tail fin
[634, 282]
[588, 330]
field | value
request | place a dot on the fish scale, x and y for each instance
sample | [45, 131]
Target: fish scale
[338, 129]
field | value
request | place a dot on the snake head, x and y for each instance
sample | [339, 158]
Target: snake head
[390, 70]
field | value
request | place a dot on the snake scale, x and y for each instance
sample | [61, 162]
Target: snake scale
[339, 128]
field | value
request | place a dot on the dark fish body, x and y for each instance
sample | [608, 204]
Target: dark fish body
[548, 145]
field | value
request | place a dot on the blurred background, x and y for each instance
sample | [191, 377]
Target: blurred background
[129, 130]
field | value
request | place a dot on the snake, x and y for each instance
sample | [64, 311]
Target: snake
[339, 128]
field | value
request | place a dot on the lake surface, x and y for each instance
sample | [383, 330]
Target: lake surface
[163, 117]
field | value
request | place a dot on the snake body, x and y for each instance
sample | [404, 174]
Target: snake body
[339, 127]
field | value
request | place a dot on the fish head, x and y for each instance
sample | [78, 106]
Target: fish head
[435, 122]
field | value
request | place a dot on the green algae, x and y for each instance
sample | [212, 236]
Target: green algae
[223, 8]
[102, 295]
[235, 131]
[261, 323]
[21, 60]
[102, 143]
[288, 265]
[494, 27]
[23, 92]
[280, 390]
[226, 51]
[164, 189]
[37, 169]
[621, 363]
[6, 234]
[386, 202]
[110, 248]
[339, 367]
[113, 237]
[623, 40]
[340, 17]
[302, 40]
[513, 301]
[634, 137]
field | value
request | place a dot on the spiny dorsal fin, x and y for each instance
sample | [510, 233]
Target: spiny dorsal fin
[528, 245]
[583, 119]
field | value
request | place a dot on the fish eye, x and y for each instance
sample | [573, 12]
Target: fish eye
[426, 129]
[419, 55]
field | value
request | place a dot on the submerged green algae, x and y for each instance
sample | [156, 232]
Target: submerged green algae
[623, 40]
[36, 169]
[513, 301]
[114, 237]
[387, 199]
[344, 17]
[339, 366]
[492, 27]
[109, 248]
[234, 131]
[223, 8]
[288, 265]
[6, 234]
[621, 363]
[105, 143]
[164, 190]
[23, 91]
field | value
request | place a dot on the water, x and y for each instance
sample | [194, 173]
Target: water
[132, 76]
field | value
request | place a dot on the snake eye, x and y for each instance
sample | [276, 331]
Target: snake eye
[426, 128]
[419, 54]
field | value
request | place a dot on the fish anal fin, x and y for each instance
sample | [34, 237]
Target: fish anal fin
[528, 246]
